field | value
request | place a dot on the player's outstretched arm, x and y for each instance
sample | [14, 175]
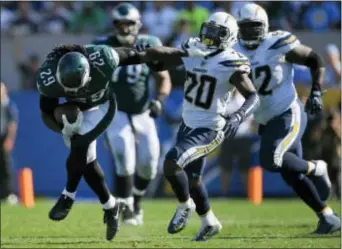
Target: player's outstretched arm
[244, 85]
[171, 56]
[306, 56]
[87, 138]
[47, 107]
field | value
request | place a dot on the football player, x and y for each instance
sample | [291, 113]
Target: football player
[82, 75]
[133, 138]
[209, 86]
[281, 114]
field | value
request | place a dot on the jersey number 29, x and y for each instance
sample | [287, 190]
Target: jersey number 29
[203, 87]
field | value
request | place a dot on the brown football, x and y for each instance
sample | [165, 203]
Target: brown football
[70, 110]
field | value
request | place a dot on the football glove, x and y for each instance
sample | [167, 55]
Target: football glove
[69, 129]
[314, 103]
[195, 48]
[232, 125]
[142, 47]
[156, 108]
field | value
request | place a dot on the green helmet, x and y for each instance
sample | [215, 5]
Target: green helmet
[73, 71]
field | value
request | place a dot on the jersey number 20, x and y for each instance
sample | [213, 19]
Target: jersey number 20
[204, 88]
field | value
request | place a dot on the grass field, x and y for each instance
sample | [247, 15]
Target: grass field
[275, 224]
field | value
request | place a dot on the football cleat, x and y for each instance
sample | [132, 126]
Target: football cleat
[61, 209]
[208, 231]
[328, 224]
[322, 182]
[111, 219]
[128, 216]
[139, 217]
[181, 217]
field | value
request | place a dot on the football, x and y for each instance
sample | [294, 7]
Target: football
[70, 110]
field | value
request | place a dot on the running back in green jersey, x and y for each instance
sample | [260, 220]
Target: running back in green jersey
[131, 82]
[103, 61]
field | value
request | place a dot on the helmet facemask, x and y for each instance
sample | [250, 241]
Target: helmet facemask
[213, 35]
[251, 33]
[126, 31]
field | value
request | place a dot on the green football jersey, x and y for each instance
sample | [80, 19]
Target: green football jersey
[103, 61]
[131, 82]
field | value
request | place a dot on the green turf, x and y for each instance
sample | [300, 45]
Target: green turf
[275, 224]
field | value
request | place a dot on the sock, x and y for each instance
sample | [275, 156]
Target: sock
[327, 211]
[69, 194]
[316, 168]
[198, 191]
[123, 186]
[179, 184]
[94, 176]
[139, 189]
[110, 203]
[76, 165]
[199, 194]
[305, 189]
[209, 218]
[292, 162]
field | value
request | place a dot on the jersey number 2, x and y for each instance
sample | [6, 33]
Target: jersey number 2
[204, 82]
[266, 81]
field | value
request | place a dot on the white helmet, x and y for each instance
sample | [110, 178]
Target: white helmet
[219, 31]
[253, 25]
[126, 21]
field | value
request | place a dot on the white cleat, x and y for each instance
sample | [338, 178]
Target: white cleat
[139, 217]
[181, 216]
[207, 231]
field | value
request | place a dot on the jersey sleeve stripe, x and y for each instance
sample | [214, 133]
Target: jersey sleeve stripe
[289, 39]
[234, 63]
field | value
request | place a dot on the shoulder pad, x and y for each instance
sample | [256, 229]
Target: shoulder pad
[234, 59]
[279, 39]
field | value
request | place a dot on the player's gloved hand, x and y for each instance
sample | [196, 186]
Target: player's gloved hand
[195, 48]
[70, 129]
[156, 108]
[142, 47]
[314, 103]
[232, 125]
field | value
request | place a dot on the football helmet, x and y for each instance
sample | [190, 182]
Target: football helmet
[73, 72]
[253, 25]
[219, 31]
[126, 22]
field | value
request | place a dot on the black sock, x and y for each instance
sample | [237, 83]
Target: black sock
[76, 165]
[198, 191]
[179, 184]
[305, 189]
[94, 176]
[123, 186]
[199, 194]
[140, 185]
[292, 162]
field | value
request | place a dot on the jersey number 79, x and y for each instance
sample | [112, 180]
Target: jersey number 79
[200, 90]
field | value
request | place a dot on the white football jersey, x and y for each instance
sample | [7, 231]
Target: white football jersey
[207, 89]
[272, 75]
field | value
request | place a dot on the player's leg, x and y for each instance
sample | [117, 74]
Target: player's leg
[281, 137]
[198, 192]
[121, 143]
[148, 150]
[191, 145]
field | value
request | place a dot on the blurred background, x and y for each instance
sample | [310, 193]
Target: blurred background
[29, 30]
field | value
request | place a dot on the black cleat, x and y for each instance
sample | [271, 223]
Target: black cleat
[111, 218]
[328, 224]
[61, 209]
